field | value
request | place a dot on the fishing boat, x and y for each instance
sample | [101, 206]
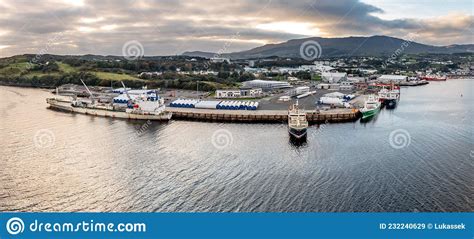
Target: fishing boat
[371, 107]
[389, 97]
[139, 108]
[297, 122]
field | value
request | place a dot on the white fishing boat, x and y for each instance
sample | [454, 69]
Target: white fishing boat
[297, 122]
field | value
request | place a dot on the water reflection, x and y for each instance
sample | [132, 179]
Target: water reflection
[100, 164]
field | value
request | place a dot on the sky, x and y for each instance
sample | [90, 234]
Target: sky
[170, 27]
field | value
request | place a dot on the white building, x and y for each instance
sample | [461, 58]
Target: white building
[316, 68]
[283, 70]
[220, 60]
[251, 63]
[356, 79]
[333, 77]
[324, 86]
[266, 84]
[239, 93]
[346, 85]
[255, 70]
[392, 78]
[368, 71]
[299, 90]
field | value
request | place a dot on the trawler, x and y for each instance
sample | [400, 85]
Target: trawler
[371, 107]
[297, 122]
[389, 97]
[139, 108]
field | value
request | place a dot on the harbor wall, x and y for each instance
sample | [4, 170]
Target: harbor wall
[276, 116]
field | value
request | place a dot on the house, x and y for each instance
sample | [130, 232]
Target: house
[228, 93]
[346, 86]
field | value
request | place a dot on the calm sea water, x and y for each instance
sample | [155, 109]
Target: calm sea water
[418, 157]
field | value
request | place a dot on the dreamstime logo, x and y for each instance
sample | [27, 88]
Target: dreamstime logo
[222, 138]
[471, 154]
[44, 138]
[15, 226]
[399, 139]
[310, 50]
[132, 50]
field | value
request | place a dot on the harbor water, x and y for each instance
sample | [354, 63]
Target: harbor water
[417, 157]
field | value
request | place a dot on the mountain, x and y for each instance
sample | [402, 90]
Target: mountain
[202, 54]
[347, 46]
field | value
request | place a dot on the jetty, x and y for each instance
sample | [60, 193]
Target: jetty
[277, 116]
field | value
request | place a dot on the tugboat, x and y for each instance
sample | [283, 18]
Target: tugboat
[297, 122]
[371, 107]
[140, 108]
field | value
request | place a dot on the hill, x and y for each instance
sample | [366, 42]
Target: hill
[346, 46]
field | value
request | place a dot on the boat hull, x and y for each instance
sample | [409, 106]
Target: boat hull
[66, 106]
[390, 103]
[370, 113]
[298, 133]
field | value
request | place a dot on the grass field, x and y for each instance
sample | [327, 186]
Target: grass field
[114, 76]
[66, 68]
[23, 68]
[15, 69]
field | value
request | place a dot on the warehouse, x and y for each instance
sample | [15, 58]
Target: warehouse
[392, 78]
[267, 84]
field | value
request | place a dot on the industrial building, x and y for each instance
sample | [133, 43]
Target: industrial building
[299, 90]
[392, 78]
[239, 93]
[334, 77]
[266, 84]
[346, 86]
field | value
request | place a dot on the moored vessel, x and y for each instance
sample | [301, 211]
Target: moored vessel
[371, 107]
[297, 122]
[140, 107]
[389, 97]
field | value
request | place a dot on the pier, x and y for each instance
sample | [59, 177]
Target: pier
[277, 116]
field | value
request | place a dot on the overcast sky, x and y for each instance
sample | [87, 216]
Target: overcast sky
[169, 27]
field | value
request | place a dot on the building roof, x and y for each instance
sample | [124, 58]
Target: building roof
[334, 74]
[266, 82]
[335, 94]
[392, 77]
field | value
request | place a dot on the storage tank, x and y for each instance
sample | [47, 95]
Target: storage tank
[237, 105]
[225, 105]
[207, 104]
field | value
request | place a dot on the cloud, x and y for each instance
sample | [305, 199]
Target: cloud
[167, 27]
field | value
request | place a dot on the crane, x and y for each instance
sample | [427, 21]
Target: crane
[88, 91]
